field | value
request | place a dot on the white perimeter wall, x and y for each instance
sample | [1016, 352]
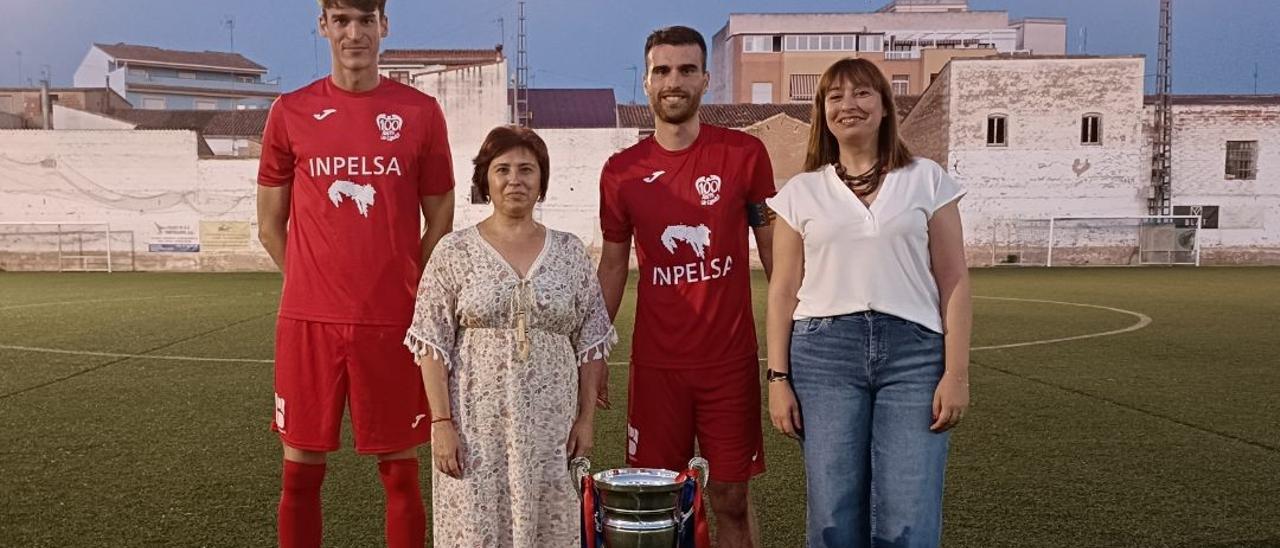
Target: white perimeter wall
[152, 189]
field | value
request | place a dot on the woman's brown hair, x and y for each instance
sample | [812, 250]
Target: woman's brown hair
[499, 141]
[823, 147]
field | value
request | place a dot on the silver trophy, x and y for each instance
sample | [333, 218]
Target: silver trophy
[641, 506]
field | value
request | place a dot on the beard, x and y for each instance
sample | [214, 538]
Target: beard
[675, 114]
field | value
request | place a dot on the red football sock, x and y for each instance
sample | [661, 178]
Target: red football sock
[300, 521]
[406, 518]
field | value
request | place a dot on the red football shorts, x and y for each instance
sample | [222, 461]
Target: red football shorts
[321, 367]
[719, 406]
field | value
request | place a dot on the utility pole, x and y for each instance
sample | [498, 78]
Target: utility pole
[635, 76]
[315, 52]
[1160, 195]
[46, 106]
[522, 74]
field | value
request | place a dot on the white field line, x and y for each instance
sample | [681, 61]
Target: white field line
[1143, 321]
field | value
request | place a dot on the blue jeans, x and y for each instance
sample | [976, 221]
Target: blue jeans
[865, 384]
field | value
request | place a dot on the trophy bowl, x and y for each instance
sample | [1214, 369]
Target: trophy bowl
[641, 506]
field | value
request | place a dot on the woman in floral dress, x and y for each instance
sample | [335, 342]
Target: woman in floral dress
[512, 335]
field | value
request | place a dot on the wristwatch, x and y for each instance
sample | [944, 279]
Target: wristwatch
[776, 376]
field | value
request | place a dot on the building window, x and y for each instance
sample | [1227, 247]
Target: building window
[996, 135]
[1242, 160]
[1091, 129]
[206, 104]
[187, 75]
[901, 84]
[759, 44]
[140, 73]
[823, 42]
[761, 92]
[803, 86]
[401, 76]
[153, 103]
[248, 79]
[870, 42]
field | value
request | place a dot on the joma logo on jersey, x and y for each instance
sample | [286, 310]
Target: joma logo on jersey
[699, 239]
[390, 124]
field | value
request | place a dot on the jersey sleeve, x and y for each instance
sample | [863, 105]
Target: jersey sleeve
[615, 224]
[275, 167]
[761, 177]
[435, 176]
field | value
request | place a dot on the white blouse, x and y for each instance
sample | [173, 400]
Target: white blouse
[858, 258]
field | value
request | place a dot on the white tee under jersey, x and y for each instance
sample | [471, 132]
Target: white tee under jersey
[858, 258]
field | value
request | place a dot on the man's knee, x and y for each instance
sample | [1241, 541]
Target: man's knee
[303, 456]
[730, 501]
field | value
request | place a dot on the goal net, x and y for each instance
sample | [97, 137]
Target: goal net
[1097, 241]
[63, 247]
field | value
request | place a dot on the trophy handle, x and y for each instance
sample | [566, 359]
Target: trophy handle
[704, 470]
[579, 467]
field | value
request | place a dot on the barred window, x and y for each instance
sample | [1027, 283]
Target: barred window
[996, 135]
[1242, 160]
[1091, 129]
[803, 86]
[401, 76]
[901, 84]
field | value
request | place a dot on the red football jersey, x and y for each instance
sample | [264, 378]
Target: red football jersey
[688, 213]
[359, 164]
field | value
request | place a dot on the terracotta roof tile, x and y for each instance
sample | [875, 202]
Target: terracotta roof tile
[145, 54]
[447, 57]
[740, 115]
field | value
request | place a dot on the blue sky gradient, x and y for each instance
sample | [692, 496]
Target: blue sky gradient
[592, 43]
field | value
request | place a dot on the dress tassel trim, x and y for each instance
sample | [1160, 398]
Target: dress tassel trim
[420, 347]
[600, 349]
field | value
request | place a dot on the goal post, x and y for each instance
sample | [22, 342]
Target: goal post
[61, 247]
[1097, 241]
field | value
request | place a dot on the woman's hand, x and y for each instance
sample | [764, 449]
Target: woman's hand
[581, 438]
[784, 410]
[445, 449]
[950, 401]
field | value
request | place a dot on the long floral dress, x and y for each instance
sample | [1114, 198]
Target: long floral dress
[513, 347]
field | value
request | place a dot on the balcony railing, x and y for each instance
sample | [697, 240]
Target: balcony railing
[201, 84]
[902, 54]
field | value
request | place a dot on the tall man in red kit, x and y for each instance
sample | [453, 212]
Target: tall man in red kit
[687, 196]
[348, 164]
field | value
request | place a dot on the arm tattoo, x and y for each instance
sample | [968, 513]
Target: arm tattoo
[759, 215]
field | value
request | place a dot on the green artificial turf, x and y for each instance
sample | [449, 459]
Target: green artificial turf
[1164, 436]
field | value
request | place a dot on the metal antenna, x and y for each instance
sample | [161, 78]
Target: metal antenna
[1159, 197]
[522, 74]
[230, 24]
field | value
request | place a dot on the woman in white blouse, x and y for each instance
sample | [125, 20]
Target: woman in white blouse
[869, 320]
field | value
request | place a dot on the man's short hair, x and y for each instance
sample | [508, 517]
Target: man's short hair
[367, 6]
[676, 36]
